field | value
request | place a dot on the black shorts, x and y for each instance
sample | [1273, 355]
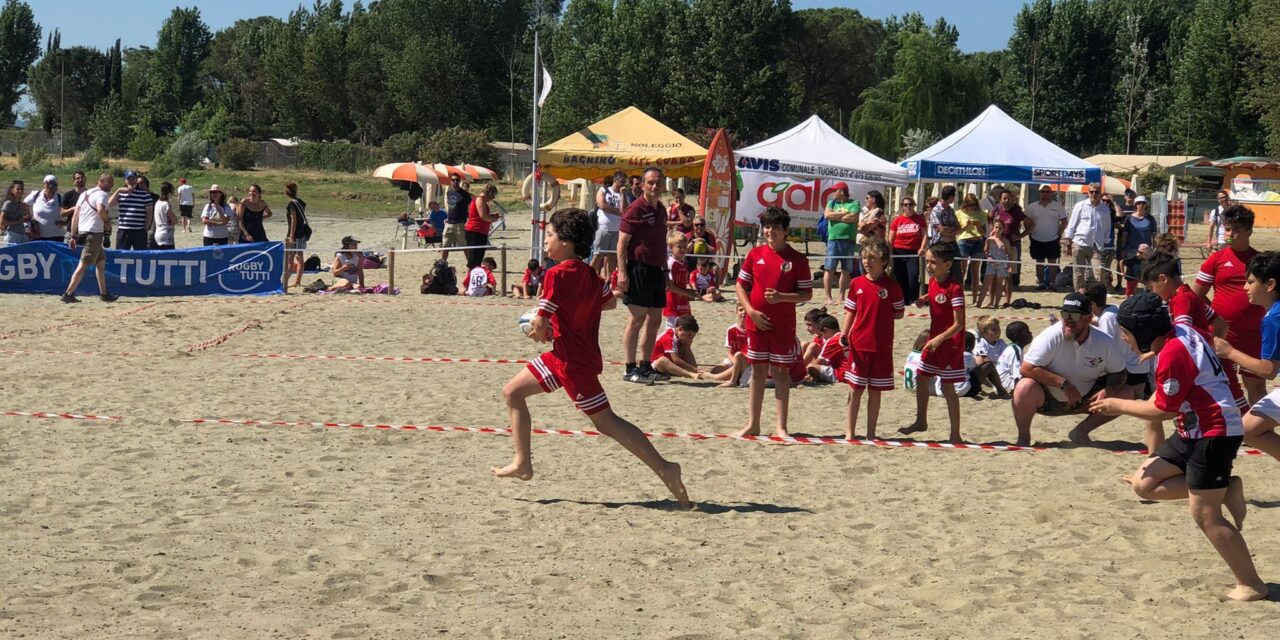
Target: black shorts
[1205, 461]
[1055, 407]
[185, 210]
[1143, 382]
[1041, 251]
[647, 286]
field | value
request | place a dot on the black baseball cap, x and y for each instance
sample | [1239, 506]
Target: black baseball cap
[1076, 302]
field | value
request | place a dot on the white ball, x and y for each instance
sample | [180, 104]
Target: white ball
[526, 321]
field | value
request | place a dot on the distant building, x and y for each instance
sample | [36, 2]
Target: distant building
[276, 153]
[516, 159]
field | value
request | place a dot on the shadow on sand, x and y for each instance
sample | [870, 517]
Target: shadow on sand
[671, 505]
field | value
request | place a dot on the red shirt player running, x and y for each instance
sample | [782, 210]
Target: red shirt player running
[1225, 272]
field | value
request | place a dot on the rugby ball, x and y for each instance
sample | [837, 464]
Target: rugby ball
[526, 321]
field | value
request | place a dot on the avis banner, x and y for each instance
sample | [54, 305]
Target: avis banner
[230, 270]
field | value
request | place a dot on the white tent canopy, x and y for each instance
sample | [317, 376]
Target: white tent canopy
[799, 168]
[996, 148]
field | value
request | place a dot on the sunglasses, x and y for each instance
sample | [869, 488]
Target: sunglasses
[699, 224]
[1071, 316]
[1094, 193]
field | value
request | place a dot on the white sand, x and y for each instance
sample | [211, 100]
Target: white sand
[151, 527]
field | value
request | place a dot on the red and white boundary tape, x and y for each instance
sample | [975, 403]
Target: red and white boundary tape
[886, 444]
[318, 356]
[253, 324]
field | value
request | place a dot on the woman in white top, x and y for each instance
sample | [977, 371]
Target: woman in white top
[164, 220]
[215, 216]
[348, 266]
[609, 207]
[46, 211]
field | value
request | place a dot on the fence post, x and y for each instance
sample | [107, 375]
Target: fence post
[502, 256]
[391, 271]
[288, 265]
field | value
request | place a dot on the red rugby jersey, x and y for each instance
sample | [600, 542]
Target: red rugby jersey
[786, 271]
[573, 297]
[875, 304]
[1191, 382]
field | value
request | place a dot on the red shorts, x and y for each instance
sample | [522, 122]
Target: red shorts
[945, 363]
[773, 347]
[870, 370]
[583, 386]
[1248, 342]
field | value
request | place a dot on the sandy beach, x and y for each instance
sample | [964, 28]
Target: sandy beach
[150, 526]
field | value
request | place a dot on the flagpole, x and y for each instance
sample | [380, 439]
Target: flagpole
[537, 230]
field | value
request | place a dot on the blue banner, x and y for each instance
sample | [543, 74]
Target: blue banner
[955, 172]
[230, 270]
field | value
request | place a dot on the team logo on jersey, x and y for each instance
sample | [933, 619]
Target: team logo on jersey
[1170, 387]
[760, 261]
[579, 397]
[786, 266]
[941, 298]
[1227, 264]
[883, 293]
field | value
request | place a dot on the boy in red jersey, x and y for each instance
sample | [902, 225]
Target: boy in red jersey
[774, 277]
[826, 365]
[943, 354]
[1225, 271]
[1196, 461]
[678, 292]
[569, 309]
[874, 301]
[673, 350]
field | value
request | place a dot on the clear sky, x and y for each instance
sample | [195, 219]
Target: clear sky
[984, 24]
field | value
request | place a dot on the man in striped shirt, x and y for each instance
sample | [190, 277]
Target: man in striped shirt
[134, 220]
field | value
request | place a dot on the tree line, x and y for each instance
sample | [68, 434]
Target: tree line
[1138, 76]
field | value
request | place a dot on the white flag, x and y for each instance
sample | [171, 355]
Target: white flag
[546, 87]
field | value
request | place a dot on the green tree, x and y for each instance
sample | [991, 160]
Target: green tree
[19, 47]
[1133, 92]
[1261, 33]
[235, 75]
[456, 145]
[1030, 58]
[73, 99]
[323, 69]
[830, 60]
[1208, 80]
[174, 73]
[579, 53]
[110, 126]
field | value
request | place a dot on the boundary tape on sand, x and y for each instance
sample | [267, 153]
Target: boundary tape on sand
[76, 323]
[809, 440]
[252, 324]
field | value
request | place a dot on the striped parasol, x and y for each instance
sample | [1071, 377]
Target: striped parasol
[468, 172]
[412, 172]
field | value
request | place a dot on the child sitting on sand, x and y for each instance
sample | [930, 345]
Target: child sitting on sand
[569, 310]
[673, 350]
[986, 352]
[811, 348]
[911, 370]
[529, 283]
[1009, 363]
[830, 355]
[706, 282]
[480, 282]
[733, 371]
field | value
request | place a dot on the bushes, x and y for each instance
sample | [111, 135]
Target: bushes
[146, 145]
[187, 151]
[92, 161]
[402, 147]
[237, 154]
[338, 156]
[110, 127]
[33, 156]
[456, 145]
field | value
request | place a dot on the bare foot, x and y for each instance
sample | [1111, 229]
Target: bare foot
[1234, 501]
[782, 433]
[728, 384]
[849, 435]
[914, 427]
[956, 439]
[515, 470]
[1128, 479]
[831, 302]
[747, 431]
[1079, 437]
[1243, 593]
[671, 477]
[1022, 442]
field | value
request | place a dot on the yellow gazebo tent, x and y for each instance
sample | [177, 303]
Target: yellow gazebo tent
[628, 140]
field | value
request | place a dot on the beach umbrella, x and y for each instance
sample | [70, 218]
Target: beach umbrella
[411, 172]
[1110, 185]
[468, 172]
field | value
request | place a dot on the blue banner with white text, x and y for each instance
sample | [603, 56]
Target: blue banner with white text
[230, 270]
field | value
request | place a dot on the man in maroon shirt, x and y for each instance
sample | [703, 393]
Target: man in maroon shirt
[642, 274]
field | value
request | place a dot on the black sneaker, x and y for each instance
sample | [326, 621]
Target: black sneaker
[108, 298]
[68, 298]
[640, 376]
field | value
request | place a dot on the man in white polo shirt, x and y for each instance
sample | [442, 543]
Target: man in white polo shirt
[1065, 368]
[1087, 232]
[1046, 236]
[88, 225]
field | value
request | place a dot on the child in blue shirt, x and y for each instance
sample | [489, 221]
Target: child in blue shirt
[1263, 289]
[436, 216]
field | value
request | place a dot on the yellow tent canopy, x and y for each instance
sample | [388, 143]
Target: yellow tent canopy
[628, 140]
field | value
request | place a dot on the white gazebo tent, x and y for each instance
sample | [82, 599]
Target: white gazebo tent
[797, 170]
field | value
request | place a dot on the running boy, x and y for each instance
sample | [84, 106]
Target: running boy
[1196, 461]
[774, 277]
[874, 301]
[943, 355]
[1263, 289]
[569, 311]
[1225, 272]
[673, 350]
